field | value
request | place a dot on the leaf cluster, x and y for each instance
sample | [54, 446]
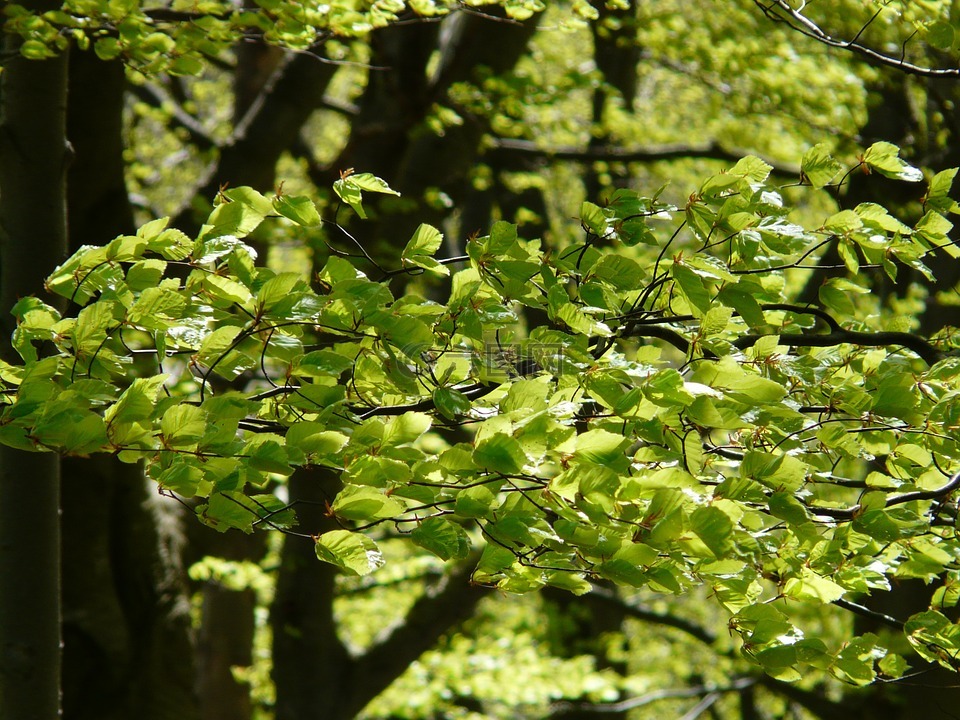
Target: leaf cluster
[672, 421]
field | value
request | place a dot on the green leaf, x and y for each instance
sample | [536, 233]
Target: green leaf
[714, 528]
[593, 219]
[277, 289]
[426, 240]
[692, 287]
[843, 222]
[601, 447]
[451, 403]
[371, 183]
[818, 166]
[621, 272]
[938, 194]
[885, 158]
[364, 504]
[751, 168]
[352, 552]
[349, 189]
[475, 502]
[183, 425]
[444, 538]
[500, 453]
[228, 510]
[811, 586]
[405, 428]
[940, 35]
[300, 209]
[137, 401]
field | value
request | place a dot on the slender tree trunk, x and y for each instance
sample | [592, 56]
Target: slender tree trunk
[311, 666]
[33, 163]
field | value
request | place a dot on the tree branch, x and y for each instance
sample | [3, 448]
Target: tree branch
[704, 691]
[434, 614]
[867, 612]
[157, 97]
[677, 151]
[927, 352]
[780, 11]
[638, 611]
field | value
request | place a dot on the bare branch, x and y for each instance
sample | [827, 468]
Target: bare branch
[780, 11]
[703, 691]
[638, 611]
[434, 614]
[155, 96]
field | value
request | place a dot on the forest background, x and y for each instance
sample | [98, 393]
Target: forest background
[474, 113]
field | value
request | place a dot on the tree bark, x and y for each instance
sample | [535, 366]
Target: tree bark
[310, 663]
[127, 637]
[33, 163]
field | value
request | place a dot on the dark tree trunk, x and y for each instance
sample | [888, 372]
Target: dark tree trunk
[227, 628]
[616, 52]
[33, 163]
[310, 663]
[127, 644]
[314, 674]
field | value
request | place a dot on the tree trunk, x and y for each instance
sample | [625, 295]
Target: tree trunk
[310, 663]
[127, 638]
[33, 163]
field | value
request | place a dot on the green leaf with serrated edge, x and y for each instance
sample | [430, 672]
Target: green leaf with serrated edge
[714, 528]
[855, 662]
[277, 288]
[231, 218]
[227, 510]
[751, 168]
[593, 219]
[224, 288]
[693, 452]
[405, 428]
[818, 166]
[351, 195]
[885, 158]
[352, 552]
[692, 288]
[249, 196]
[843, 222]
[500, 453]
[300, 209]
[444, 538]
[183, 425]
[938, 194]
[475, 502]
[371, 183]
[137, 401]
[621, 272]
[715, 321]
[364, 504]
[786, 507]
[216, 344]
[811, 586]
[349, 189]
[426, 240]
[315, 439]
[601, 447]
[451, 403]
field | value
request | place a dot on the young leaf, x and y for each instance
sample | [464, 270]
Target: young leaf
[352, 552]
